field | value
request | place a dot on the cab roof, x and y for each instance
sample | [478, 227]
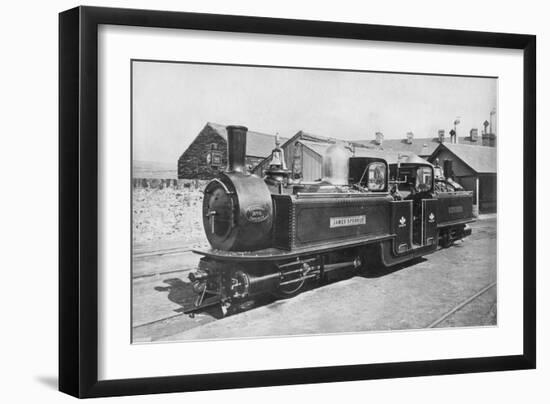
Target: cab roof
[392, 157]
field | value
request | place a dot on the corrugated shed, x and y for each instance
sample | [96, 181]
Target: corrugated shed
[289, 147]
[481, 159]
[257, 144]
[312, 165]
[317, 147]
[315, 138]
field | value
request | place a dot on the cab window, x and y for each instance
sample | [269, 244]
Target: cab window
[376, 176]
[423, 179]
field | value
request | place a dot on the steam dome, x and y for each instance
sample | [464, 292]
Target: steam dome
[336, 165]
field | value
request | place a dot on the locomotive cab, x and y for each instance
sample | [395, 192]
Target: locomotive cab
[413, 180]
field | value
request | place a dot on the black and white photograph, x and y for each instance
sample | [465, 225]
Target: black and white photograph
[276, 201]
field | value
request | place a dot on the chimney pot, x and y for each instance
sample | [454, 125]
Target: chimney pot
[473, 135]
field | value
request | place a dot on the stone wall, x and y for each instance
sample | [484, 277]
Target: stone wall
[164, 214]
[160, 183]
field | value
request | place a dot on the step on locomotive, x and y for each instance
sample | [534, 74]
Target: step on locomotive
[276, 234]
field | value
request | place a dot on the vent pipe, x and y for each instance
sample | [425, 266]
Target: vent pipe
[453, 135]
[378, 138]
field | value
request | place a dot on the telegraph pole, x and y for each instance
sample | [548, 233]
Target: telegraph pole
[491, 114]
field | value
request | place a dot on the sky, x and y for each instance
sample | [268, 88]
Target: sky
[173, 101]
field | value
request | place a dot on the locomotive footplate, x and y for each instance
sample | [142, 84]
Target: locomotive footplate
[276, 254]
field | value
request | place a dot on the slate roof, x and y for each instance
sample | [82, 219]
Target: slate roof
[257, 144]
[419, 146]
[481, 159]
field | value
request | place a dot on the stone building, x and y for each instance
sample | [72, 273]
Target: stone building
[206, 156]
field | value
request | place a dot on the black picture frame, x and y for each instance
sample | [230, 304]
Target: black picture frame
[78, 200]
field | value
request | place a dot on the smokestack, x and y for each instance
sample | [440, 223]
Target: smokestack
[236, 148]
[410, 137]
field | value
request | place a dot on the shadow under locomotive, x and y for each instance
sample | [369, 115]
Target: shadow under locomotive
[183, 293]
[278, 235]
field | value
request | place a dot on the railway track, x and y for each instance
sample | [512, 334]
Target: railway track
[147, 263]
[433, 324]
[168, 272]
[176, 322]
[160, 252]
[461, 305]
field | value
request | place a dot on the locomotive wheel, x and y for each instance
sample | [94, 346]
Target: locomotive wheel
[446, 240]
[290, 290]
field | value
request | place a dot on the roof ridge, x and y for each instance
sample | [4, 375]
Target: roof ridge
[219, 125]
[469, 145]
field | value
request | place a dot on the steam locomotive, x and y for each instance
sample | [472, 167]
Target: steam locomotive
[276, 234]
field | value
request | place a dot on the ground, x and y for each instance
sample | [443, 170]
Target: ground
[409, 296]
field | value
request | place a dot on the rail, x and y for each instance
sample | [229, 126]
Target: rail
[460, 305]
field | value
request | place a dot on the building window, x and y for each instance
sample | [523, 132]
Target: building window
[214, 159]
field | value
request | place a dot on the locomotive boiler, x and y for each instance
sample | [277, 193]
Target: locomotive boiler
[275, 234]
